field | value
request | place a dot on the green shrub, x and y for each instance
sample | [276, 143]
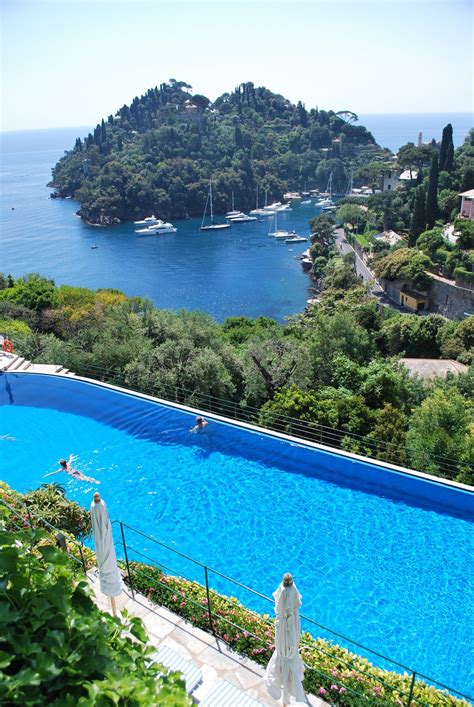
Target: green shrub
[339, 676]
[57, 648]
[464, 275]
[50, 503]
[13, 328]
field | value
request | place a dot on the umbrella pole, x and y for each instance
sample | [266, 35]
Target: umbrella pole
[114, 607]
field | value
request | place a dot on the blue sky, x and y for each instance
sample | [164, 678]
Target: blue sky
[71, 62]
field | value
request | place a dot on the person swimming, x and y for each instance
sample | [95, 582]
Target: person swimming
[200, 424]
[75, 473]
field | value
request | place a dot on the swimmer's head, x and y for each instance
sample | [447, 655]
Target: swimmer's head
[97, 497]
[199, 420]
[287, 579]
[63, 462]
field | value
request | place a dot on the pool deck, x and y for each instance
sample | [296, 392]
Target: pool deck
[214, 658]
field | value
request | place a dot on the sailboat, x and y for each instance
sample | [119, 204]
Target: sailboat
[278, 233]
[261, 212]
[231, 214]
[327, 203]
[211, 226]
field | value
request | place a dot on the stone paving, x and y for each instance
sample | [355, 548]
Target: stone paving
[216, 661]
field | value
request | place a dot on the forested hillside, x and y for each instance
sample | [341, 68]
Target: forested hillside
[158, 153]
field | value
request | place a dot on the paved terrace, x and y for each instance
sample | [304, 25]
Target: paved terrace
[214, 658]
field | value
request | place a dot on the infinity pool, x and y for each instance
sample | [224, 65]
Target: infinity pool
[393, 574]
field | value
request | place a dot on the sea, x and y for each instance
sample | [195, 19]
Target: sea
[238, 271]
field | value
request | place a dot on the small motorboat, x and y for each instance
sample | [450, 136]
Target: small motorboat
[295, 238]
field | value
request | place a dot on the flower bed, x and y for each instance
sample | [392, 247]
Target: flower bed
[338, 676]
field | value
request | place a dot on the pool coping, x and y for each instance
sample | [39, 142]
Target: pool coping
[262, 430]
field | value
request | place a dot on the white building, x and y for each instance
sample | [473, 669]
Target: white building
[392, 178]
[467, 204]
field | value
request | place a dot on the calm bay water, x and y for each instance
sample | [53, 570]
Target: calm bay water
[237, 271]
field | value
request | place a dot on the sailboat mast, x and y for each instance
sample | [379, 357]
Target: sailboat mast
[329, 187]
[257, 199]
[210, 197]
[349, 188]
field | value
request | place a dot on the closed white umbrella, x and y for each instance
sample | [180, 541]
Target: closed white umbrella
[110, 580]
[285, 671]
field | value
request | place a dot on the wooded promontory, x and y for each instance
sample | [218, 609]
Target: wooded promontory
[158, 153]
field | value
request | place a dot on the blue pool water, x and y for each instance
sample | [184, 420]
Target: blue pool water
[394, 576]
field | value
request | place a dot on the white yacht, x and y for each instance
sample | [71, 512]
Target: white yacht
[284, 207]
[148, 221]
[295, 238]
[158, 228]
[261, 212]
[241, 218]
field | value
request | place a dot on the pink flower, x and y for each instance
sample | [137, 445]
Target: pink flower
[377, 690]
[342, 690]
[225, 637]
[174, 597]
[335, 672]
[204, 601]
[322, 691]
[183, 604]
[335, 688]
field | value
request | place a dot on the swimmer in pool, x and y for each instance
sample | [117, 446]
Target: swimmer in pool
[200, 424]
[75, 473]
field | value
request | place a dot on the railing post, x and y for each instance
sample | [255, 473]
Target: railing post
[211, 623]
[412, 687]
[84, 566]
[130, 583]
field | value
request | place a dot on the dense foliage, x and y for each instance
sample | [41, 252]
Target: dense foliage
[158, 153]
[334, 367]
[56, 647]
[337, 675]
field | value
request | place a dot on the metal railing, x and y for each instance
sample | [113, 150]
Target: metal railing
[21, 517]
[309, 431]
[172, 561]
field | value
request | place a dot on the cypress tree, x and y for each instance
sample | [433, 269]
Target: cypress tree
[446, 140]
[103, 132]
[448, 164]
[432, 196]
[418, 219]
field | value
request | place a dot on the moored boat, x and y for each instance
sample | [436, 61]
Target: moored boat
[148, 221]
[158, 228]
[295, 238]
[211, 226]
[279, 233]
